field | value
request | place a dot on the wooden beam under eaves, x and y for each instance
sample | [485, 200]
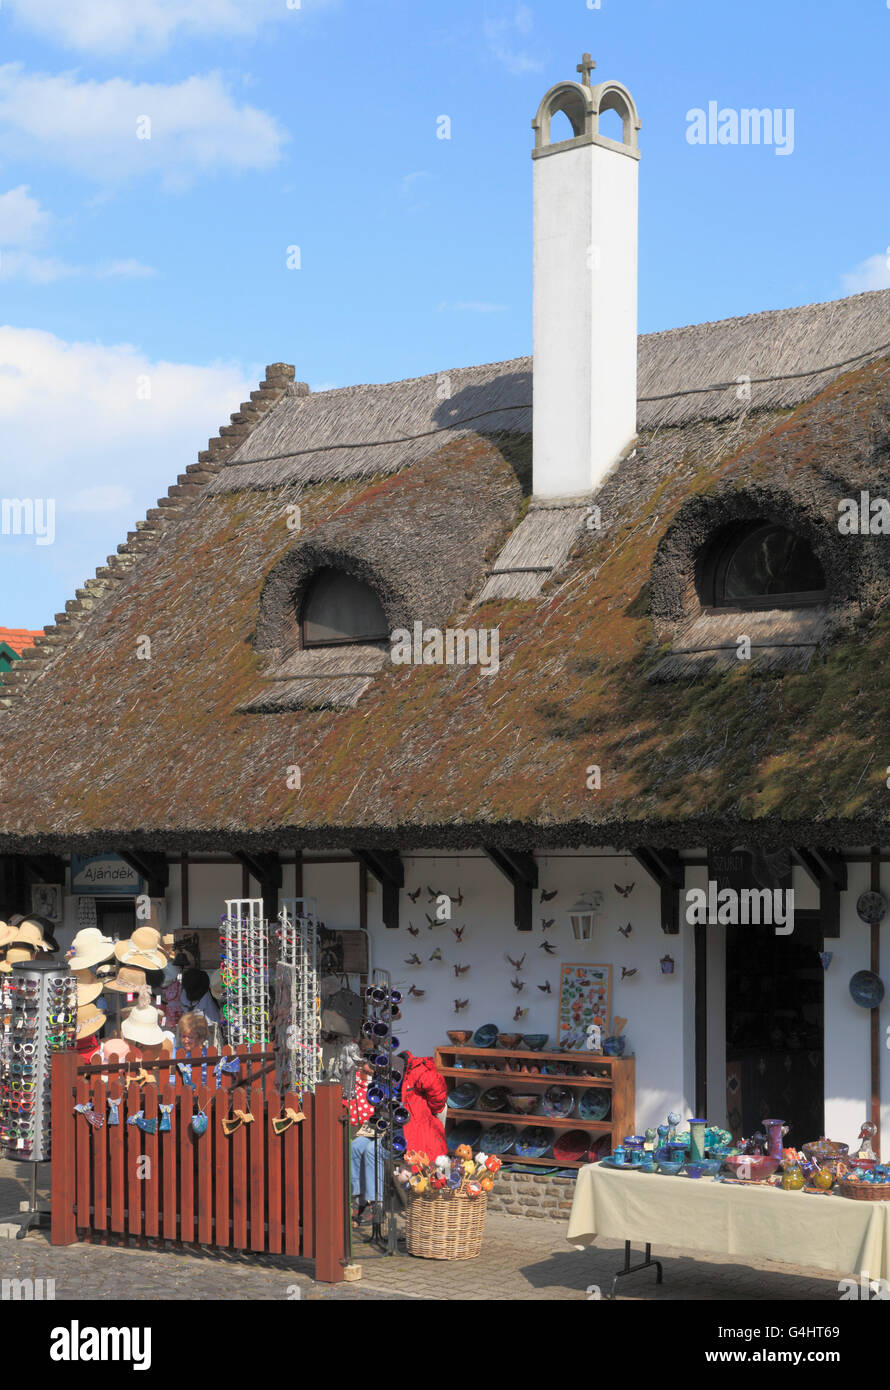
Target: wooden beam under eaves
[150, 866]
[266, 869]
[668, 870]
[520, 868]
[388, 869]
[828, 870]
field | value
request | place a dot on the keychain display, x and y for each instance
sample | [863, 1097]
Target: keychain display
[384, 1093]
[38, 1005]
[297, 1030]
[244, 969]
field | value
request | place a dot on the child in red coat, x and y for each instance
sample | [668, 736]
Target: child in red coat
[424, 1095]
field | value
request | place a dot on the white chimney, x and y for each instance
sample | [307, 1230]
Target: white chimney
[585, 295]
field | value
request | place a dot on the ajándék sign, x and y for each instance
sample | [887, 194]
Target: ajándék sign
[104, 876]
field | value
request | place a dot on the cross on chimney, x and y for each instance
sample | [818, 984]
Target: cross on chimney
[586, 67]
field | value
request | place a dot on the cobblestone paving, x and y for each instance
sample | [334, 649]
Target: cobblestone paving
[522, 1259]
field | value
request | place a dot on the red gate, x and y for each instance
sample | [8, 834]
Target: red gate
[269, 1186]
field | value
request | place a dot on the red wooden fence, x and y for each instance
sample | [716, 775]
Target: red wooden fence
[252, 1190]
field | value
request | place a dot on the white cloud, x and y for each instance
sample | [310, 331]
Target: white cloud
[47, 270]
[873, 274]
[22, 220]
[147, 26]
[94, 128]
[506, 27]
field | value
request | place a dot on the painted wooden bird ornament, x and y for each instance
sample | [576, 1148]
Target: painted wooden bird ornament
[626, 890]
[519, 1013]
[417, 993]
[460, 970]
[517, 964]
[547, 923]
[546, 897]
[626, 931]
[459, 932]
[460, 1004]
[415, 931]
[413, 960]
[415, 895]
[548, 947]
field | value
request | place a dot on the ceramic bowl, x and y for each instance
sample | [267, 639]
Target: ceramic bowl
[614, 1046]
[827, 1153]
[464, 1096]
[710, 1167]
[571, 1147]
[532, 1142]
[523, 1104]
[693, 1170]
[535, 1042]
[466, 1132]
[594, 1105]
[867, 989]
[486, 1036]
[460, 1036]
[669, 1166]
[496, 1098]
[751, 1167]
[499, 1139]
[557, 1103]
[509, 1040]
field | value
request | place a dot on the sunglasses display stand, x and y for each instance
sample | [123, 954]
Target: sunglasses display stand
[382, 1012]
[38, 1004]
[244, 964]
[298, 955]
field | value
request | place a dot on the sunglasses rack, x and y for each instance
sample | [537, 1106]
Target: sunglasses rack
[384, 1093]
[244, 965]
[297, 996]
[38, 1004]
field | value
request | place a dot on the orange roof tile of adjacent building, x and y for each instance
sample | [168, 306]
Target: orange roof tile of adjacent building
[19, 638]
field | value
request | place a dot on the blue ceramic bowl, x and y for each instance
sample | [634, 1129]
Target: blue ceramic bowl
[669, 1166]
[594, 1105]
[486, 1036]
[495, 1098]
[498, 1140]
[533, 1142]
[710, 1166]
[464, 1096]
[557, 1103]
[867, 989]
[535, 1042]
[693, 1170]
[467, 1132]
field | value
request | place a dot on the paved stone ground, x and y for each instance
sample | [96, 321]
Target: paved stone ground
[522, 1259]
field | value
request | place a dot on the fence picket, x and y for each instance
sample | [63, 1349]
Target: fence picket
[116, 1159]
[100, 1158]
[134, 1154]
[204, 1149]
[168, 1162]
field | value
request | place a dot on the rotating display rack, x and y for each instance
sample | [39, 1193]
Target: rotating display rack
[297, 996]
[244, 965]
[384, 1093]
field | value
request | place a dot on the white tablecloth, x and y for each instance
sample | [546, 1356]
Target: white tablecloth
[757, 1222]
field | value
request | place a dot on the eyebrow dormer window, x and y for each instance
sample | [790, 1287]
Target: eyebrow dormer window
[762, 566]
[338, 610]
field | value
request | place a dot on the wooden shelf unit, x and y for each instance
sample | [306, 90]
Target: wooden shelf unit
[618, 1076]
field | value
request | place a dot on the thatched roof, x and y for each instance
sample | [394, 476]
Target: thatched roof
[102, 749]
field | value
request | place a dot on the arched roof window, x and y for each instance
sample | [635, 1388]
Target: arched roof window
[762, 565]
[338, 609]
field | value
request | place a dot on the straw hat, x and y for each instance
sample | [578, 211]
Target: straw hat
[128, 980]
[89, 1020]
[141, 1025]
[16, 952]
[89, 947]
[143, 950]
[31, 931]
[7, 933]
[216, 984]
[88, 988]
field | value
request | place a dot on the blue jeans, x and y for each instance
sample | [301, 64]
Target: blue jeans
[367, 1184]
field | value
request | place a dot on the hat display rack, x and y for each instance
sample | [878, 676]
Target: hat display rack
[38, 1005]
[384, 1093]
[297, 945]
[244, 965]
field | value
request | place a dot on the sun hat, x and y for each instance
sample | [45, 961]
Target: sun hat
[141, 1025]
[128, 980]
[89, 1020]
[7, 933]
[88, 987]
[89, 947]
[143, 949]
[15, 953]
[32, 932]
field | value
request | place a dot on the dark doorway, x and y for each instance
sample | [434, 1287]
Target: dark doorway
[116, 917]
[775, 1029]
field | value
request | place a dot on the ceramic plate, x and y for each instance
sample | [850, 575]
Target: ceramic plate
[533, 1142]
[467, 1132]
[594, 1105]
[499, 1139]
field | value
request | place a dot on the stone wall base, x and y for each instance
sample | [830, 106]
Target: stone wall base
[542, 1195]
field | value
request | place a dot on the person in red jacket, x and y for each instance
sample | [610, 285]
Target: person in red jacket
[424, 1095]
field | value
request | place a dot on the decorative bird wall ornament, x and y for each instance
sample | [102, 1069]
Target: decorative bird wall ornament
[460, 897]
[460, 970]
[547, 923]
[459, 932]
[545, 987]
[460, 1004]
[546, 897]
[433, 893]
[625, 931]
[627, 974]
[548, 947]
[519, 1013]
[437, 954]
[417, 993]
[430, 921]
[518, 985]
[413, 960]
[415, 931]
[626, 890]
[415, 895]
[517, 964]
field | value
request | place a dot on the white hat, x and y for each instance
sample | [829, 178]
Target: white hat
[89, 947]
[141, 1025]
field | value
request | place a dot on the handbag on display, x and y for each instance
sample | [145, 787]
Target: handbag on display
[342, 1012]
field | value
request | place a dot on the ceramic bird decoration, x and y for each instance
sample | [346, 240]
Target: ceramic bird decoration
[415, 895]
[545, 987]
[461, 970]
[546, 897]
[548, 947]
[413, 960]
[627, 974]
[519, 1013]
[414, 931]
[547, 923]
[430, 921]
[417, 993]
[460, 1004]
[518, 985]
[459, 932]
[437, 954]
[626, 890]
[517, 964]
[626, 931]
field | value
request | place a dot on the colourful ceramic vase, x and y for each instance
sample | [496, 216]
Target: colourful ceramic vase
[792, 1177]
[697, 1139]
[776, 1130]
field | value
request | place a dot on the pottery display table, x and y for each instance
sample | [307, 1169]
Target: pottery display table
[746, 1222]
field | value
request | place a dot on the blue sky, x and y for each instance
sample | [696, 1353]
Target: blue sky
[316, 126]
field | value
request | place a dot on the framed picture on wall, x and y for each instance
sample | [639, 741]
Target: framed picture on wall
[585, 997]
[46, 901]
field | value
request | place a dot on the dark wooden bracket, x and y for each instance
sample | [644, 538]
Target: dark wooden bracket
[828, 870]
[44, 868]
[668, 870]
[150, 866]
[266, 869]
[522, 871]
[388, 869]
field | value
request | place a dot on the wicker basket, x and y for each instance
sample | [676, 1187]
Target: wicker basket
[865, 1191]
[446, 1228]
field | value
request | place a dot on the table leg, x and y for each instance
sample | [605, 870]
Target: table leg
[648, 1263]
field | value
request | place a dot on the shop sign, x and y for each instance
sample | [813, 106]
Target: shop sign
[739, 868]
[104, 876]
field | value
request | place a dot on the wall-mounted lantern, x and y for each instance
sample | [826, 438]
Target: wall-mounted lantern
[583, 914]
